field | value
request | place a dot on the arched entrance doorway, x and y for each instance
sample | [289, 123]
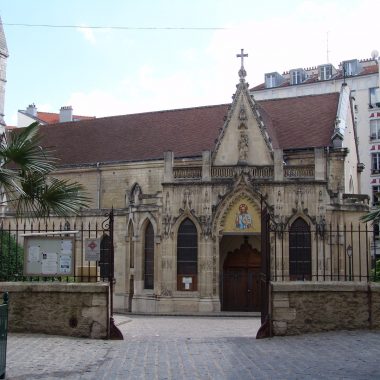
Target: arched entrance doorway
[240, 285]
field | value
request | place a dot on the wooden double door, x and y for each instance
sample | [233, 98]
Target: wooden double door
[241, 280]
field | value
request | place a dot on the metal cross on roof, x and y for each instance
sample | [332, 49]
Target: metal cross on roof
[242, 55]
[242, 72]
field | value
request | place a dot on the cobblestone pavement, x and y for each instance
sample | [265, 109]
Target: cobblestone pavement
[195, 348]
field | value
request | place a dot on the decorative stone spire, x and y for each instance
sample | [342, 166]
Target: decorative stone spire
[242, 72]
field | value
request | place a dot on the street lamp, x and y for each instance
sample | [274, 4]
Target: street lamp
[349, 254]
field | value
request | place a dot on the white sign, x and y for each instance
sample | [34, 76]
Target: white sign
[34, 254]
[49, 262]
[187, 281]
[49, 256]
[92, 251]
[65, 264]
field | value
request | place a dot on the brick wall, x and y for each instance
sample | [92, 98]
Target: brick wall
[79, 310]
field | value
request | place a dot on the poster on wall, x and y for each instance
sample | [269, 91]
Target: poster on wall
[48, 256]
[92, 249]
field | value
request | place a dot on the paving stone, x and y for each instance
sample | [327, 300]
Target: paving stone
[171, 348]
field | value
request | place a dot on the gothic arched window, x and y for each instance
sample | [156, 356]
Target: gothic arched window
[131, 247]
[149, 257]
[299, 251]
[187, 256]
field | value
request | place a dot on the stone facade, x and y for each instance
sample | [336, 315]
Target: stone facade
[299, 308]
[261, 158]
[80, 310]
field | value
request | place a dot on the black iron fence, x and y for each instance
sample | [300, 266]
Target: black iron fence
[14, 259]
[3, 334]
[327, 253]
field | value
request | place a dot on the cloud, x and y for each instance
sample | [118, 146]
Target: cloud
[87, 33]
[207, 74]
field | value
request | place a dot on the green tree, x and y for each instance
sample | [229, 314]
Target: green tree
[26, 178]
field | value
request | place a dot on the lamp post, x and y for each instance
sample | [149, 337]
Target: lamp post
[349, 254]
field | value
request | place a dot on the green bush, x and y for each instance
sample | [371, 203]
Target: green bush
[375, 272]
[11, 257]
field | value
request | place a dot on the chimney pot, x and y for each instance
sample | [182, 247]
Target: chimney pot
[65, 114]
[32, 110]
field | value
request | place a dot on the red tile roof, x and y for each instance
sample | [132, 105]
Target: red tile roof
[296, 122]
[300, 122]
[51, 118]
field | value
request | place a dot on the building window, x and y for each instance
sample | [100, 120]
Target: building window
[131, 247]
[296, 77]
[376, 195]
[149, 257]
[348, 68]
[271, 81]
[325, 72]
[374, 97]
[299, 251]
[374, 126]
[375, 163]
[187, 256]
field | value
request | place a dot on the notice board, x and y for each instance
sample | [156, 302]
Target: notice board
[49, 256]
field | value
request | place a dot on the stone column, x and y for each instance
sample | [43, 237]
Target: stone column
[168, 166]
[206, 166]
[278, 165]
[319, 164]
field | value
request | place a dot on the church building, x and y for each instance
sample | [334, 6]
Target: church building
[189, 188]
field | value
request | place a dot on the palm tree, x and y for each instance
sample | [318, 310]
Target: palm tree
[26, 181]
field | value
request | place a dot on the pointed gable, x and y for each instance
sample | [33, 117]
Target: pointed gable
[244, 139]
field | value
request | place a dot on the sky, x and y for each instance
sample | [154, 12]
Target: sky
[170, 53]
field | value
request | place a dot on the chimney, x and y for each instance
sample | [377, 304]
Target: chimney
[32, 110]
[65, 114]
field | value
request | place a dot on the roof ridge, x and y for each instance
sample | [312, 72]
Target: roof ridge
[146, 113]
[297, 97]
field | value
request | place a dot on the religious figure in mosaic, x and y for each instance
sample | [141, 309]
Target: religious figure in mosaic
[243, 218]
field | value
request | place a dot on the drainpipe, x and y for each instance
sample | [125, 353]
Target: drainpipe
[99, 185]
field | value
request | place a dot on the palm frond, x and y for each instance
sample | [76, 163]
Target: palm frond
[373, 216]
[24, 150]
[50, 196]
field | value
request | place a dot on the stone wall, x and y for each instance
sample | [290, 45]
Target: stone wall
[299, 308]
[80, 310]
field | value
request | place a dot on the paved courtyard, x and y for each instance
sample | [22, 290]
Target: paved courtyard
[194, 348]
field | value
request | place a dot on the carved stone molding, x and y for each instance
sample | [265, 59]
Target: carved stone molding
[206, 264]
[206, 224]
[166, 292]
[166, 263]
[243, 146]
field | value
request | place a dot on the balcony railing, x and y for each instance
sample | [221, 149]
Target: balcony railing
[298, 171]
[255, 172]
[258, 172]
[192, 172]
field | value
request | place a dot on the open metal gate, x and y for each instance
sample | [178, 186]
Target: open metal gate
[266, 328]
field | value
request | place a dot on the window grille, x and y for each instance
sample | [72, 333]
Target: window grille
[187, 256]
[299, 251]
[149, 257]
